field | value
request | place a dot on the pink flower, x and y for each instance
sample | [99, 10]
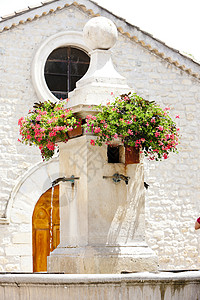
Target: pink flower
[97, 129]
[160, 128]
[115, 135]
[147, 124]
[167, 108]
[20, 121]
[52, 134]
[153, 120]
[38, 118]
[177, 116]
[137, 142]
[50, 146]
[130, 132]
[157, 134]
[92, 142]
[142, 140]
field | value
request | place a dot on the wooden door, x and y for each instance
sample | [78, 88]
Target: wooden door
[41, 229]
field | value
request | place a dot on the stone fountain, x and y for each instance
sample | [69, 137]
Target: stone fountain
[102, 212]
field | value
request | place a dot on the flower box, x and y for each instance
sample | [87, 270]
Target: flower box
[47, 124]
[138, 123]
[75, 132]
[132, 155]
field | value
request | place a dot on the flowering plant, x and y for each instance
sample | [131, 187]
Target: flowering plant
[138, 123]
[47, 124]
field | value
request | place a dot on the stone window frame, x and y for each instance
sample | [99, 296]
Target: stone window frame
[61, 39]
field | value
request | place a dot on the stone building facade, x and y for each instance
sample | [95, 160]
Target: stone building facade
[154, 71]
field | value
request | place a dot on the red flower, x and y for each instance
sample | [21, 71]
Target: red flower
[165, 156]
[92, 142]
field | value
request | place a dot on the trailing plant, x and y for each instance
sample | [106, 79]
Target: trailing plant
[45, 125]
[137, 122]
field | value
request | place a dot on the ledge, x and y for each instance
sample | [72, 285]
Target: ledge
[91, 279]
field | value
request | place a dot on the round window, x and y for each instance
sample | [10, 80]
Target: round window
[63, 68]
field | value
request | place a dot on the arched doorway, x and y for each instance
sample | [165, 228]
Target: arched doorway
[41, 229]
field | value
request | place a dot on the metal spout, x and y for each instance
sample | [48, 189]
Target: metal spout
[118, 177]
[63, 179]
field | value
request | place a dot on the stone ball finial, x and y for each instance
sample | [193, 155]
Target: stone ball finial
[100, 33]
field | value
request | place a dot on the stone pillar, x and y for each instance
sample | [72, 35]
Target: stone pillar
[102, 221]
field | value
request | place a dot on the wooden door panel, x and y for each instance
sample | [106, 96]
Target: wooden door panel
[41, 250]
[56, 236]
[41, 223]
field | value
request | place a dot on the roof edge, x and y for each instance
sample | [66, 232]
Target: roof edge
[133, 32]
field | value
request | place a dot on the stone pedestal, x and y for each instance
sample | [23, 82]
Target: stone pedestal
[102, 226]
[102, 222]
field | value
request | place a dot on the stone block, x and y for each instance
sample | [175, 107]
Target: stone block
[12, 267]
[19, 216]
[22, 238]
[26, 263]
[18, 249]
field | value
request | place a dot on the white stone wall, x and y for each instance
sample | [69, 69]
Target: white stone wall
[172, 200]
[172, 203]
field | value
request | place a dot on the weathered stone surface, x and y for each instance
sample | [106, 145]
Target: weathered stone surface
[102, 222]
[100, 33]
[174, 183]
[141, 286]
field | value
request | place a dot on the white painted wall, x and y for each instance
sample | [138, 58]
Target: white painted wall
[172, 201]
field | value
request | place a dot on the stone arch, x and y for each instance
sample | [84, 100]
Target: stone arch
[29, 189]
[24, 197]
